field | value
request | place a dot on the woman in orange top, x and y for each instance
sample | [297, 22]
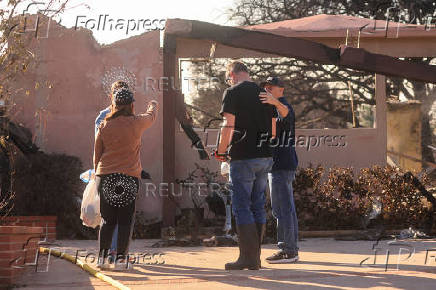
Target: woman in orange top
[118, 169]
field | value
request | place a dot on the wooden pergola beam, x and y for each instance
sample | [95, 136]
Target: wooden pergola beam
[360, 59]
[253, 40]
[354, 58]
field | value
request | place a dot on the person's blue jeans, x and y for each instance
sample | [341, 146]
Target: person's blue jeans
[283, 208]
[248, 182]
[114, 239]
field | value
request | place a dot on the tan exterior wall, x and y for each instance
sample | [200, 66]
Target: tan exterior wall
[356, 148]
[404, 134]
[62, 117]
[361, 147]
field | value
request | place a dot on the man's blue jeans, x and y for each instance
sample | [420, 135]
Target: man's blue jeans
[283, 208]
[248, 182]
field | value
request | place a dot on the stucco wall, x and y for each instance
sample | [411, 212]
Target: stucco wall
[404, 134]
[62, 117]
[357, 147]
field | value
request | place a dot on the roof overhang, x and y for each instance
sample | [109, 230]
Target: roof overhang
[286, 46]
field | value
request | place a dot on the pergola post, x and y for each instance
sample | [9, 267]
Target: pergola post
[381, 112]
[169, 118]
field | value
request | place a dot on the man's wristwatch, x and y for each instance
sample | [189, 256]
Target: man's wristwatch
[222, 157]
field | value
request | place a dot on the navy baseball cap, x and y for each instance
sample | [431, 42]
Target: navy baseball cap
[273, 81]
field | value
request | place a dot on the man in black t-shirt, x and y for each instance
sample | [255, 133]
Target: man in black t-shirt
[247, 128]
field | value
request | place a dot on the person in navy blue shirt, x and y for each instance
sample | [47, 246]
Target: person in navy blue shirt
[285, 162]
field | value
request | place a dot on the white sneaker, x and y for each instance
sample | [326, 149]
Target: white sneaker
[282, 258]
[122, 266]
[103, 264]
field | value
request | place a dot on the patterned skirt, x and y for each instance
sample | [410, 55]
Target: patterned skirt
[119, 190]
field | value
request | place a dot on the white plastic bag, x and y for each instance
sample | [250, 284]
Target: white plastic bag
[90, 209]
[225, 168]
[87, 175]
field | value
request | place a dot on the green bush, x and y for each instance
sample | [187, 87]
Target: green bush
[49, 184]
[145, 228]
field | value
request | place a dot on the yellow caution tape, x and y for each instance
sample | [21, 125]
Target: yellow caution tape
[84, 266]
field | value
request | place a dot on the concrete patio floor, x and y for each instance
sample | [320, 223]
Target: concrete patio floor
[324, 263]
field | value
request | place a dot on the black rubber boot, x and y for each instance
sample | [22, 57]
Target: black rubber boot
[261, 228]
[248, 249]
[242, 253]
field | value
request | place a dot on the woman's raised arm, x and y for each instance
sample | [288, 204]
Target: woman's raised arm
[146, 119]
